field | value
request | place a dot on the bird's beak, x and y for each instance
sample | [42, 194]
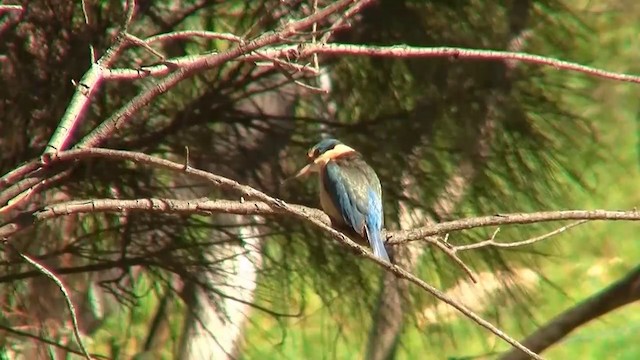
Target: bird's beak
[303, 172]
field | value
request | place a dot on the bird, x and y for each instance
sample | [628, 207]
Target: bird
[350, 191]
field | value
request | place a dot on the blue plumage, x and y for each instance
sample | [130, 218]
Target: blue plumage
[350, 191]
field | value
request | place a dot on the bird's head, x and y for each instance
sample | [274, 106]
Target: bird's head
[321, 153]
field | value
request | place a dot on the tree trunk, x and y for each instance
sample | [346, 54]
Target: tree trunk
[618, 294]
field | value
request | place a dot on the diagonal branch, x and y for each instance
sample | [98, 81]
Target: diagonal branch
[249, 192]
[119, 119]
[126, 113]
[65, 295]
[390, 315]
[618, 294]
[88, 86]
[267, 205]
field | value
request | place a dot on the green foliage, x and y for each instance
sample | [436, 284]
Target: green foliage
[556, 140]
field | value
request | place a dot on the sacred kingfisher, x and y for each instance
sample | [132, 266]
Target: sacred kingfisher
[350, 191]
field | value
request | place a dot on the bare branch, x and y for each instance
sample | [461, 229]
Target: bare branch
[19, 333]
[243, 207]
[493, 243]
[11, 8]
[281, 206]
[398, 237]
[143, 44]
[340, 23]
[65, 295]
[267, 205]
[191, 34]
[87, 87]
[620, 293]
[120, 117]
[452, 254]
[401, 51]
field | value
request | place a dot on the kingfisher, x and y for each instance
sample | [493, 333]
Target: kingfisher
[350, 191]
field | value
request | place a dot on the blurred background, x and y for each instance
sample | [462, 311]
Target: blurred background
[449, 138]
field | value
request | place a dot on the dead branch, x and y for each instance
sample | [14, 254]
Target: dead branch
[402, 51]
[266, 205]
[270, 202]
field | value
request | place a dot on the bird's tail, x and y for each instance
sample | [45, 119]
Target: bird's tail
[375, 241]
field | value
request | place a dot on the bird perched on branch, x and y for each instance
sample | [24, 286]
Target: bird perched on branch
[350, 191]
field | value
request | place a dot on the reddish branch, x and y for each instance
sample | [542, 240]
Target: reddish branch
[18, 181]
[122, 116]
[88, 86]
[403, 51]
[287, 53]
[265, 204]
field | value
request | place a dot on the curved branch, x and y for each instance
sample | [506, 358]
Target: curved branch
[281, 206]
[67, 299]
[124, 114]
[267, 205]
[19, 333]
[403, 51]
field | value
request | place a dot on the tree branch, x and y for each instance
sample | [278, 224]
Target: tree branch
[280, 206]
[493, 243]
[207, 207]
[267, 205]
[618, 294]
[65, 295]
[120, 117]
[18, 333]
[402, 51]
[88, 86]
[11, 8]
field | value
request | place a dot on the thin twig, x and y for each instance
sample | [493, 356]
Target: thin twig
[398, 237]
[143, 44]
[452, 254]
[314, 29]
[186, 157]
[87, 21]
[24, 334]
[190, 34]
[340, 23]
[493, 243]
[65, 293]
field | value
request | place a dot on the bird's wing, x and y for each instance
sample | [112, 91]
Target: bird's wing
[355, 189]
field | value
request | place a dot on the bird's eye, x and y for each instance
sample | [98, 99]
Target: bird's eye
[312, 154]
